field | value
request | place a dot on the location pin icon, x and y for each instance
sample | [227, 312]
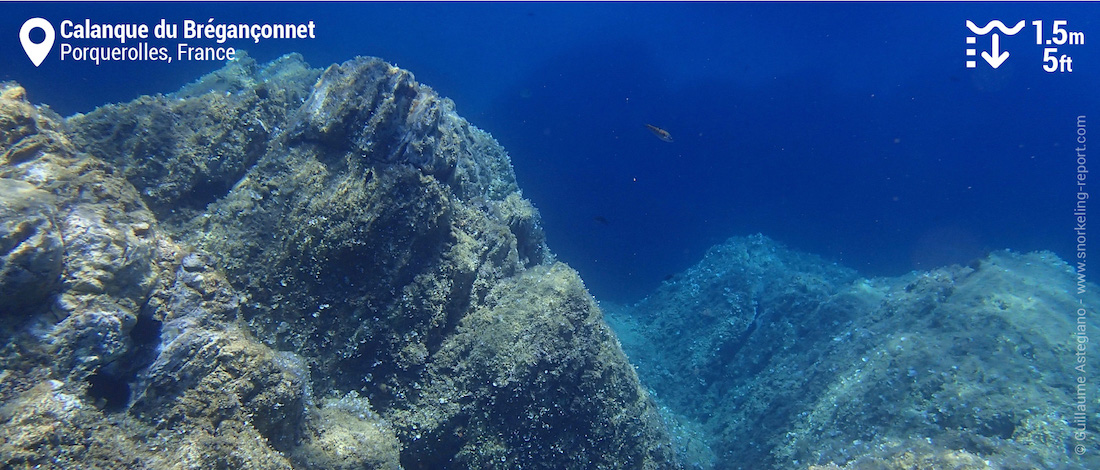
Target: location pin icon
[37, 52]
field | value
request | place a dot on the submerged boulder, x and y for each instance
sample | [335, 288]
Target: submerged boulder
[283, 267]
[30, 246]
[765, 357]
[108, 307]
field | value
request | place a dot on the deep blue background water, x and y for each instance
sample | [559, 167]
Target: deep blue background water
[849, 130]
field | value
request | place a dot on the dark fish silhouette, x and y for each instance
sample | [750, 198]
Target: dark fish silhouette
[601, 219]
[660, 133]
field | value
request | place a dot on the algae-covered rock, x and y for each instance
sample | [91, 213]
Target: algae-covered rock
[205, 378]
[188, 148]
[353, 254]
[283, 267]
[349, 435]
[533, 375]
[286, 267]
[48, 426]
[959, 367]
[378, 112]
[101, 306]
[27, 130]
[30, 246]
[79, 247]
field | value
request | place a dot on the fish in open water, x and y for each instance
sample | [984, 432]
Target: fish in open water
[660, 133]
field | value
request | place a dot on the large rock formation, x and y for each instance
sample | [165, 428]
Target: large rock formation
[281, 267]
[284, 267]
[770, 358]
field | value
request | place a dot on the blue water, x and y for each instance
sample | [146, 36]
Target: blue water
[853, 131]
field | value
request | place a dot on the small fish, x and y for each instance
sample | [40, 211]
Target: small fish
[601, 220]
[660, 133]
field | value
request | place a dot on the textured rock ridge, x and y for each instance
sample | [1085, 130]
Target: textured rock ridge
[123, 297]
[282, 267]
[771, 358]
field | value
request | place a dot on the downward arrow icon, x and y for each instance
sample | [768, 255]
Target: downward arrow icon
[995, 59]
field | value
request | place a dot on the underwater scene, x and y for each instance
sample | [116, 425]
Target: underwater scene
[413, 235]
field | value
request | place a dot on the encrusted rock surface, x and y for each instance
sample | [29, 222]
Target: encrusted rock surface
[535, 357]
[280, 267]
[30, 244]
[283, 267]
[188, 148]
[127, 312]
[771, 358]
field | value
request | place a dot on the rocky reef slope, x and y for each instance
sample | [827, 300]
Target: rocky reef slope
[284, 267]
[770, 358]
[280, 267]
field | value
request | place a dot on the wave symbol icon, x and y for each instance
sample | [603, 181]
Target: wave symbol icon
[995, 24]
